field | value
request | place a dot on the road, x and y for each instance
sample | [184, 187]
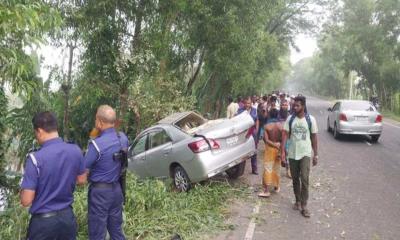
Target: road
[354, 192]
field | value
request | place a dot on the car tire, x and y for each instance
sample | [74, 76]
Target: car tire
[375, 138]
[181, 179]
[336, 133]
[328, 128]
[236, 171]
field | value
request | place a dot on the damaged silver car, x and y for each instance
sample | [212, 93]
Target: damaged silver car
[189, 148]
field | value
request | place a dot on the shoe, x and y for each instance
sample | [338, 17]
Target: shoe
[254, 172]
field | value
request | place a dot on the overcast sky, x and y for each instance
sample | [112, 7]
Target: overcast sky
[307, 46]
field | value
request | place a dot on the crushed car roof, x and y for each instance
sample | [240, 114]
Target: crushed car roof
[174, 117]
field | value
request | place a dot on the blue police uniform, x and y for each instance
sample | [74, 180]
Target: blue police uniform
[51, 172]
[105, 195]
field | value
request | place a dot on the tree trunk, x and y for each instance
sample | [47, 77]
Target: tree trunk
[66, 87]
[194, 77]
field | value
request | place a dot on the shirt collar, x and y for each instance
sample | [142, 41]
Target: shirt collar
[52, 141]
[107, 131]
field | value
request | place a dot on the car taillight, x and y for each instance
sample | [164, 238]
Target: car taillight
[342, 117]
[378, 119]
[201, 145]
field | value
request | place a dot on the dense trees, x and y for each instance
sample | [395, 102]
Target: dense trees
[147, 58]
[359, 53]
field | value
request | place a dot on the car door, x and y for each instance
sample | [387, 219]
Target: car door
[137, 156]
[158, 154]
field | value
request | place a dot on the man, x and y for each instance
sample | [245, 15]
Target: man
[272, 164]
[283, 115]
[253, 131]
[254, 102]
[105, 196]
[301, 129]
[49, 182]
[240, 102]
[232, 108]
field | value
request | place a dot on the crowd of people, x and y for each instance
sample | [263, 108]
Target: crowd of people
[289, 133]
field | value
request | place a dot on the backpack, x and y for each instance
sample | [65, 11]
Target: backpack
[293, 116]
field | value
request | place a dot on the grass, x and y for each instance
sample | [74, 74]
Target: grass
[152, 211]
[391, 115]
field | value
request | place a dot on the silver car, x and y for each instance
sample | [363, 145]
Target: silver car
[190, 149]
[354, 117]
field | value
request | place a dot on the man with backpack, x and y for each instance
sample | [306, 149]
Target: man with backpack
[301, 129]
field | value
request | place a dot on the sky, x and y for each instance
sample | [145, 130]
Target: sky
[307, 46]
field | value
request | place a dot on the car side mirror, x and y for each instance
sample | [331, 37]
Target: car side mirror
[329, 109]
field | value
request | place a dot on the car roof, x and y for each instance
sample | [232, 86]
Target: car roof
[347, 100]
[175, 117]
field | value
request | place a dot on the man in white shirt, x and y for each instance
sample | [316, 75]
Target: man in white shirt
[232, 108]
[301, 129]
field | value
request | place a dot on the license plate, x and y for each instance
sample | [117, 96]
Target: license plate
[361, 119]
[232, 140]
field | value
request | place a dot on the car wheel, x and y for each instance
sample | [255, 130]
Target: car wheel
[375, 138]
[336, 133]
[328, 128]
[236, 171]
[181, 179]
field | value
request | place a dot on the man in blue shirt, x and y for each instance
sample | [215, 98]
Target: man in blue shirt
[49, 182]
[105, 194]
[253, 130]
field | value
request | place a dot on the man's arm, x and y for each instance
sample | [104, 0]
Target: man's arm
[29, 183]
[268, 141]
[26, 197]
[314, 143]
[82, 179]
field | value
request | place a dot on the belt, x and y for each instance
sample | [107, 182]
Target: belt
[51, 214]
[102, 185]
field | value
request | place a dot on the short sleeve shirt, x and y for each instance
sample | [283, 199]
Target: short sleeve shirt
[300, 139]
[52, 175]
[102, 166]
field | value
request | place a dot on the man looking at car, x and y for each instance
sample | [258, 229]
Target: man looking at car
[301, 129]
[253, 130]
[105, 195]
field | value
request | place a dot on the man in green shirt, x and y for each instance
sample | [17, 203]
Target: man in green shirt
[301, 128]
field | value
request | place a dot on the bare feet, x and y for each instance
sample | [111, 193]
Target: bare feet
[296, 206]
[264, 194]
[277, 189]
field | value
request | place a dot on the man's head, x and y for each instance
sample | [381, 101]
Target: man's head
[299, 104]
[247, 103]
[239, 99]
[230, 99]
[273, 113]
[284, 105]
[254, 99]
[45, 126]
[105, 117]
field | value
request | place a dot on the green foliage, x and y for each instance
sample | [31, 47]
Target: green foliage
[152, 211]
[362, 37]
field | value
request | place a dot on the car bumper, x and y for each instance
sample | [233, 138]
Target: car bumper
[208, 164]
[360, 129]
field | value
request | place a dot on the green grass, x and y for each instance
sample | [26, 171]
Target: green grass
[152, 211]
[390, 115]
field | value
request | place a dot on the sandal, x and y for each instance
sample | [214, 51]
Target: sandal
[264, 194]
[305, 213]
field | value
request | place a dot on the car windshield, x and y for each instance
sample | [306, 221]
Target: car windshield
[357, 106]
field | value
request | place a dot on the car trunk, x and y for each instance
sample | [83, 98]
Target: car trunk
[362, 117]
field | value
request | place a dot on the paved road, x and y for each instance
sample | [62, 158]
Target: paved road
[355, 192]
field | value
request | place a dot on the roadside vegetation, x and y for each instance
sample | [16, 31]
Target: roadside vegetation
[358, 56]
[152, 210]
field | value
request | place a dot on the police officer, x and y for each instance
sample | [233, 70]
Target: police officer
[105, 195]
[49, 182]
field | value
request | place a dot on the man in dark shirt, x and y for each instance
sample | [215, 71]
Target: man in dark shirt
[49, 182]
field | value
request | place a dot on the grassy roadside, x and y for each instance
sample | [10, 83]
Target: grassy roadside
[391, 115]
[152, 211]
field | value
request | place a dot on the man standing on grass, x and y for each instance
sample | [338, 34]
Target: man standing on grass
[301, 129]
[49, 180]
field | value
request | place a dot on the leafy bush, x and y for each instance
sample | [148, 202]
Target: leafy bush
[152, 211]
